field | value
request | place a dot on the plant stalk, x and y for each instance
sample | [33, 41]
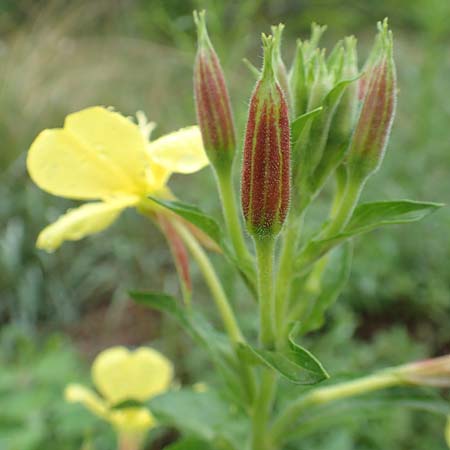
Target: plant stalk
[324, 395]
[231, 213]
[265, 247]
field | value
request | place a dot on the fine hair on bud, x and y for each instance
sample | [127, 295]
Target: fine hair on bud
[265, 179]
[212, 101]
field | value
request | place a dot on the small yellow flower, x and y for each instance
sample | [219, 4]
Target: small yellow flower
[101, 155]
[119, 375]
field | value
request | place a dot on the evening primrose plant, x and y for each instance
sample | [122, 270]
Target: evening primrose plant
[322, 124]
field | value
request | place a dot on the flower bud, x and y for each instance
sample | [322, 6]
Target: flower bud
[212, 100]
[374, 124]
[302, 70]
[430, 372]
[280, 68]
[266, 164]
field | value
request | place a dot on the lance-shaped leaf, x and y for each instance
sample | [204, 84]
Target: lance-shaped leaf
[368, 217]
[195, 216]
[211, 228]
[296, 364]
[299, 124]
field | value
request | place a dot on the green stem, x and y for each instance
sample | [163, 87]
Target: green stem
[262, 409]
[347, 206]
[265, 258]
[283, 284]
[231, 214]
[213, 282]
[341, 182]
[222, 303]
[325, 395]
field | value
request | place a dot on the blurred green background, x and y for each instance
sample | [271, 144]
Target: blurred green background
[60, 56]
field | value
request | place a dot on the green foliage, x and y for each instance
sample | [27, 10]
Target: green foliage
[33, 376]
[394, 311]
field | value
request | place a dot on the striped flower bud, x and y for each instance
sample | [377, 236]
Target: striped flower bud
[212, 101]
[265, 172]
[374, 124]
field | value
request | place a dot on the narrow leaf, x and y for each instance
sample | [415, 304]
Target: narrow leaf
[297, 364]
[298, 124]
[368, 217]
[195, 216]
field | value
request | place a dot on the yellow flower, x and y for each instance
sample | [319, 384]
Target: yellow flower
[119, 375]
[101, 155]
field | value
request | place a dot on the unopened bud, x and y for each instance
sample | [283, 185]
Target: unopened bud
[280, 67]
[212, 100]
[430, 372]
[302, 71]
[266, 164]
[346, 113]
[374, 124]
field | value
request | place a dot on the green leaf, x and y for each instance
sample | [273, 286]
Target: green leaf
[161, 302]
[296, 364]
[368, 217]
[206, 415]
[334, 96]
[298, 124]
[215, 343]
[334, 280]
[195, 216]
[209, 226]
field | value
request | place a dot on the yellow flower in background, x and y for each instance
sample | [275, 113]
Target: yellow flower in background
[120, 375]
[102, 155]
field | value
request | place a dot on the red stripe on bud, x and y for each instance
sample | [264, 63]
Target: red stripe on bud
[377, 112]
[212, 99]
[266, 171]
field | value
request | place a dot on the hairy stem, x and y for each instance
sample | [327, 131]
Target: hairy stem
[231, 214]
[261, 413]
[265, 261]
[324, 395]
[213, 282]
[284, 278]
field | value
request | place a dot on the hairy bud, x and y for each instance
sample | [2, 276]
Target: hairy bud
[266, 165]
[430, 372]
[374, 124]
[212, 100]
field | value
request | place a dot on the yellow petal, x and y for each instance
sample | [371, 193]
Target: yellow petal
[181, 151]
[79, 222]
[120, 374]
[113, 136]
[76, 393]
[97, 154]
[131, 420]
